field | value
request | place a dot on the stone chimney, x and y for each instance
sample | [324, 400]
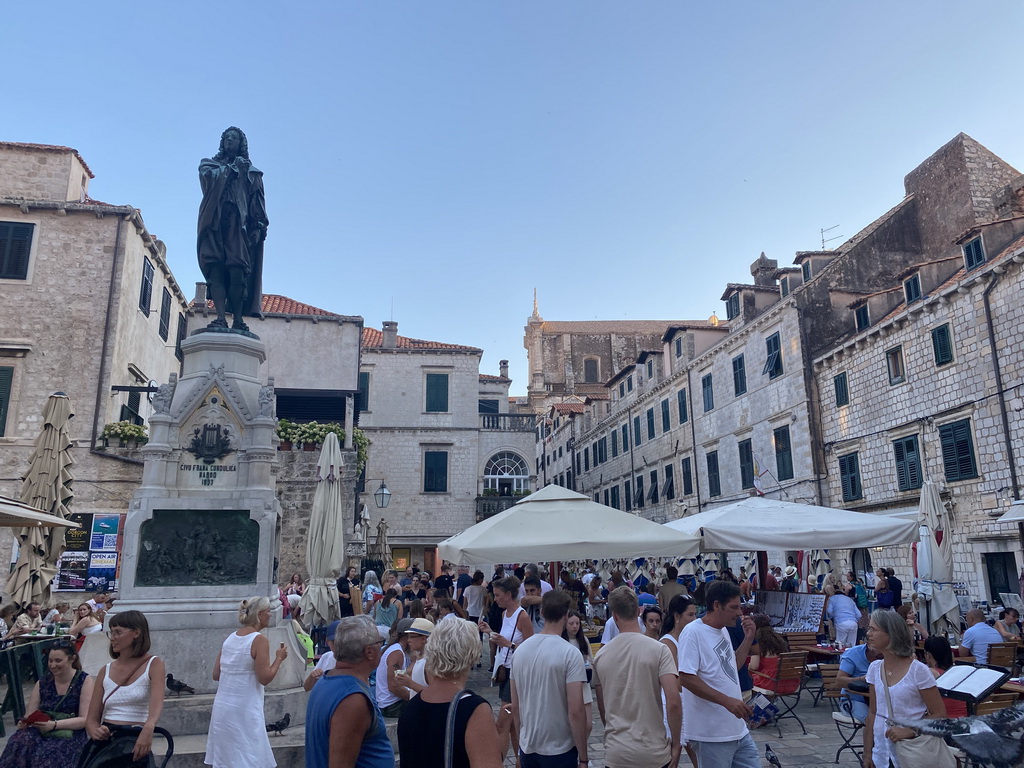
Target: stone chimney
[763, 270]
[503, 368]
[389, 328]
[200, 299]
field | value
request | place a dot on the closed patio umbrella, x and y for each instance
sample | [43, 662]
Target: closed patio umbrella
[46, 487]
[381, 547]
[325, 548]
[935, 563]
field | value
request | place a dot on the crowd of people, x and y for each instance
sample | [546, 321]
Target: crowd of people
[672, 678]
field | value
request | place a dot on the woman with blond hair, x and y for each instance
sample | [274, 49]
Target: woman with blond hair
[238, 738]
[453, 649]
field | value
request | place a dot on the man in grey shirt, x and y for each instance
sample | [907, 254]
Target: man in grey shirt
[547, 693]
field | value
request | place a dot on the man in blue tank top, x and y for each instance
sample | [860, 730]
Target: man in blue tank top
[342, 717]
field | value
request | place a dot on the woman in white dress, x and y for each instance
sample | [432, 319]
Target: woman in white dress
[238, 736]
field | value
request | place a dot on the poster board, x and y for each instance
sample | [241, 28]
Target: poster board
[92, 555]
[792, 611]
[773, 605]
[1012, 600]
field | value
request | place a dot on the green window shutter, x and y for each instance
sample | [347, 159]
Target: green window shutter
[650, 424]
[958, 451]
[714, 480]
[842, 387]
[627, 495]
[435, 472]
[6, 382]
[615, 443]
[15, 246]
[146, 290]
[849, 475]
[165, 314]
[707, 386]
[670, 483]
[739, 375]
[746, 464]
[639, 496]
[681, 403]
[783, 454]
[666, 418]
[437, 393]
[942, 345]
[625, 437]
[637, 435]
[687, 475]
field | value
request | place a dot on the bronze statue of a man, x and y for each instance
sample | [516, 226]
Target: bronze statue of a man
[232, 228]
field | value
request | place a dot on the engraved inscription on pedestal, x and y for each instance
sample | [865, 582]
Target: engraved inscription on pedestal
[181, 548]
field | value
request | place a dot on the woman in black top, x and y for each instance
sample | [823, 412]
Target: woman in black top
[345, 585]
[453, 649]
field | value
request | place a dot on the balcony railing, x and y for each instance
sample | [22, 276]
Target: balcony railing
[508, 422]
[489, 506]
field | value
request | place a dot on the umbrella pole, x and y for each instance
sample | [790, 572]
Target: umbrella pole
[762, 569]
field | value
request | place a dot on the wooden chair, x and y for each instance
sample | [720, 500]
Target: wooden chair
[1002, 655]
[801, 638]
[842, 716]
[789, 673]
[995, 702]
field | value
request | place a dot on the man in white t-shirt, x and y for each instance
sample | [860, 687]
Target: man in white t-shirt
[709, 672]
[327, 661]
[630, 675]
[547, 693]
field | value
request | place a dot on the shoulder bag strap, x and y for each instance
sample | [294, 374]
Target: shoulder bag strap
[136, 669]
[449, 730]
[74, 679]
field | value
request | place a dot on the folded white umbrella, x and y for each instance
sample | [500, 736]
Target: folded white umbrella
[558, 524]
[325, 547]
[761, 524]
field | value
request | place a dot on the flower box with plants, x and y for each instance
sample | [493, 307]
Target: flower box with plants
[124, 432]
[312, 434]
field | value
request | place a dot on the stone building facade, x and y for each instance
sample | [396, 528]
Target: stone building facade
[441, 437]
[926, 384]
[89, 304]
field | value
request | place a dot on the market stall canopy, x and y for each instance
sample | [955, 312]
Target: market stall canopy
[558, 524]
[14, 514]
[761, 524]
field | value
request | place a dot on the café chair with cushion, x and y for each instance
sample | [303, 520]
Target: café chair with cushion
[789, 675]
[1002, 655]
[846, 724]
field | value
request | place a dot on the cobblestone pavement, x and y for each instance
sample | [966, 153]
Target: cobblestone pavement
[794, 749]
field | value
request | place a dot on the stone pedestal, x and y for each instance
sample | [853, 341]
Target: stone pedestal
[202, 530]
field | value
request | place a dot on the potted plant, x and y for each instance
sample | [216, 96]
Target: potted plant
[286, 434]
[125, 431]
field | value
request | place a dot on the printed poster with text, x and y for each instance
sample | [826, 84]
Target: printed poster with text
[102, 572]
[104, 533]
[73, 565]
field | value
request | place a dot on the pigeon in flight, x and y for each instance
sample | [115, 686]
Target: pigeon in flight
[995, 740]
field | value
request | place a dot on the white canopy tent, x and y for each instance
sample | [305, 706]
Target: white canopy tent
[558, 524]
[759, 523]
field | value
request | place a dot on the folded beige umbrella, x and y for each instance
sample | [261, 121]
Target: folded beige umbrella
[325, 548]
[47, 488]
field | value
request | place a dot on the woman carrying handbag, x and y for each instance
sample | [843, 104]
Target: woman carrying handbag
[902, 688]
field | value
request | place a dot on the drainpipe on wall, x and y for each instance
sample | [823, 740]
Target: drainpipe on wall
[107, 328]
[814, 428]
[1008, 443]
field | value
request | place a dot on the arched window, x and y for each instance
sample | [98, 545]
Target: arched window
[506, 474]
[590, 370]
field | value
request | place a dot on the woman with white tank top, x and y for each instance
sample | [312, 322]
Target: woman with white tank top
[128, 697]
[681, 611]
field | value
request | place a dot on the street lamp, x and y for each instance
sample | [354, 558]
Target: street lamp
[382, 496]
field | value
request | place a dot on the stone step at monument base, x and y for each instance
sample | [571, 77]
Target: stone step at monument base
[190, 715]
[289, 748]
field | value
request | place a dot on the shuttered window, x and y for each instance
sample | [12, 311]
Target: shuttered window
[849, 477]
[15, 245]
[912, 289]
[670, 483]
[714, 480]
[146, 290]
[686, 472]
[707, 388]
[627, 494]
[437, 393]
[615, 443]
[783, 454]
[6, 382]
[650, 424]
[773, 362]
[842, 386]
[958, 451]
[739, 375]
[974, 253]
[182, 330]
[637, 435]
[616, 502]
[625, 437]
[942, 345]
[435, 471]
[363, 395]
[165, 314]
[861, 317]
[681, 406]
[652, 494]
[666, 418]
[746, 464]
[907, 453]
[638, 497]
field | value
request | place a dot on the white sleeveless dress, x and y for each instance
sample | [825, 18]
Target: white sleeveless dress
[238, 734]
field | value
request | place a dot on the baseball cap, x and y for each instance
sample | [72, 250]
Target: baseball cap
[404, 624]
[420, 627]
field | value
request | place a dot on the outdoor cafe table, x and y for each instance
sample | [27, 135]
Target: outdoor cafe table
[820, 653]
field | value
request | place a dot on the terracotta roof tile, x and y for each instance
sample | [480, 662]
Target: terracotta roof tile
[569, 407]
[49, 148]
[282, 305]
[374, 339]
[498, 379]
[616, 326]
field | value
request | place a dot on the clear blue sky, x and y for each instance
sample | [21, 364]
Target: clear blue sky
[627, 159]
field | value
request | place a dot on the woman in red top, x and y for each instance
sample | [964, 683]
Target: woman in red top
[765, 666]
[939, 658]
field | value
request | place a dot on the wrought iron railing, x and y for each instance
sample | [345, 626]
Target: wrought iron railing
[489, 506]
